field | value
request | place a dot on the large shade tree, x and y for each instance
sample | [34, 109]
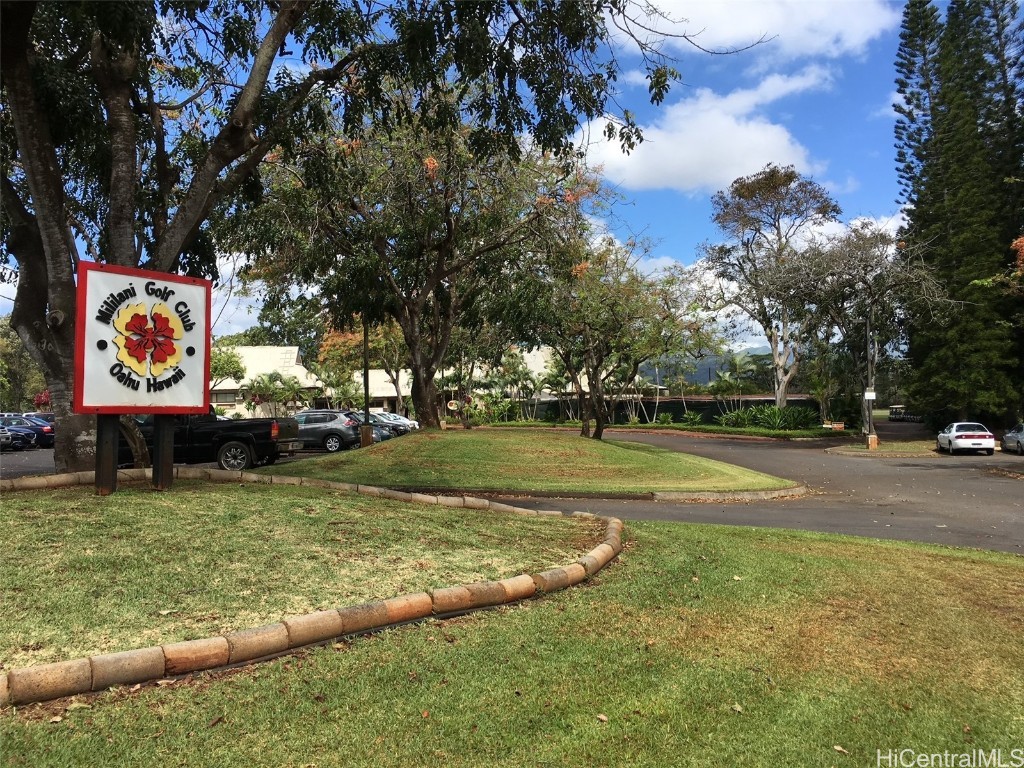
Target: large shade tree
[860, 289]
[767, 218]
[604, 318]
[409, 224]
[126, 126]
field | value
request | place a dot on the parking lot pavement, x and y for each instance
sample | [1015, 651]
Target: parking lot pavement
[964, 501]
[35, 461]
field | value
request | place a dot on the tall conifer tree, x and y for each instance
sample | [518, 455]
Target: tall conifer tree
[916, 82]
[953, 165]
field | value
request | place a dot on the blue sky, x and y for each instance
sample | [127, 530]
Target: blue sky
[817, 95]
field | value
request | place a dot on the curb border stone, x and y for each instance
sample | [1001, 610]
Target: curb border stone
[57, 680]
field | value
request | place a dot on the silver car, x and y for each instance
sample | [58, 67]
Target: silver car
[1013, 441]
[327, 430]
[5, 438]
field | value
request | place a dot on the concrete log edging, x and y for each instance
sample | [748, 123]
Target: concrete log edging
[45, 682]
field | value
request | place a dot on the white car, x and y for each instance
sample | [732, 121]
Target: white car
[966, 436]
[1013, 441]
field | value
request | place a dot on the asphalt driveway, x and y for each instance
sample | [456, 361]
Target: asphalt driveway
[965, 501]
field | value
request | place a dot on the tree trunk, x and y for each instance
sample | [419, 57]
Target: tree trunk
[424, 396]
[584, 412]
[42, 244]
[599, 406]
[140, 451]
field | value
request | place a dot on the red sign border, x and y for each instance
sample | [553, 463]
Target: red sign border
[84, 268]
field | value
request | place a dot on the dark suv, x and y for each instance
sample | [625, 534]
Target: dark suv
[327, 430]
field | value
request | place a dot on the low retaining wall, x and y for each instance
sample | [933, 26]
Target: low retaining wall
[96, 673]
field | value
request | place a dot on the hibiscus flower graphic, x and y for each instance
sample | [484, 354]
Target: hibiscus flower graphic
[146, 340]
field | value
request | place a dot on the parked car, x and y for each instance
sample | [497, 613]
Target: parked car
[328, 430]
[43, 430]
[396, 425]
[5, 439]
[380, 432]
[46, 416]
[396, 429]
[966, 436]
[395, 418]
[1014, 440]
[22, 438]
[234, 444]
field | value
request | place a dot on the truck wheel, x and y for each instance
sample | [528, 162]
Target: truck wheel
[332, 443]
[234, 456]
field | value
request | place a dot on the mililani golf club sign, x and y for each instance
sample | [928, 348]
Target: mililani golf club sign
[142, 341]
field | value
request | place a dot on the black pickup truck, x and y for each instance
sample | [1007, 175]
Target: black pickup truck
[233, 444]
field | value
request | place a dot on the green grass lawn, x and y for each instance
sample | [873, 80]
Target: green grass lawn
[700, 646]
[84, 574]
[530, 460]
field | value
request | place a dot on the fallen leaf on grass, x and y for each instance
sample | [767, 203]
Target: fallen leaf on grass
[426, 714]
[737, 578]
[602, 718]
[737, 709]
[56, 719]
[216, 721]
[840, 750]
[168, 612]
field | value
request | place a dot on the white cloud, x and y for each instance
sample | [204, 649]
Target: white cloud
[886, 111]
[701, 144]
[794, 29]
[891, 224]
[654, 266]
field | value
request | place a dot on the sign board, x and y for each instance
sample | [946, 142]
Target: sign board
[869, 394]
[142, 341]
[453, 405]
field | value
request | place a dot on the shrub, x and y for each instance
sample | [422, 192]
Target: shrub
[735, 418]
[767, 416]
[800, 417]
[771, 417]
[664, 418]
[691, 419]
